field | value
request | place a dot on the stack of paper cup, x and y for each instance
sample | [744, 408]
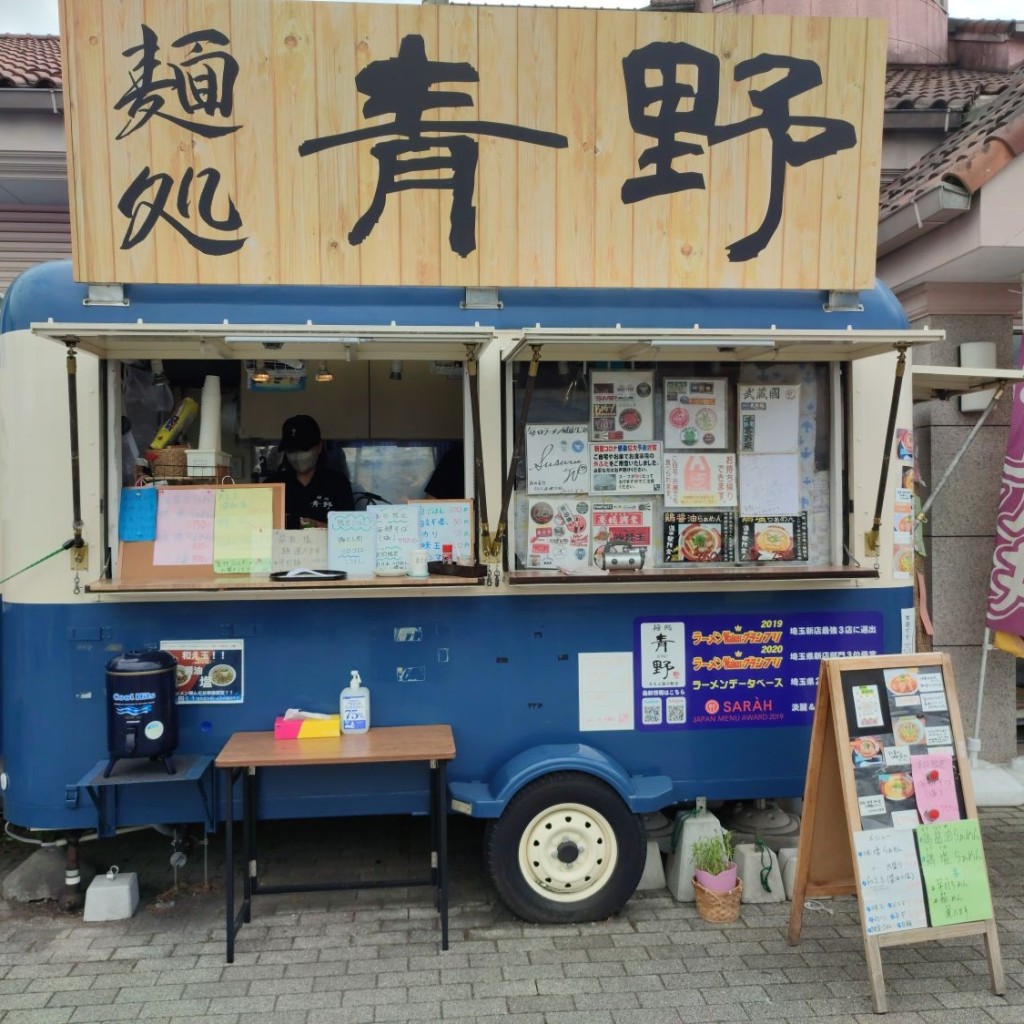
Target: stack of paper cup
[209, 415]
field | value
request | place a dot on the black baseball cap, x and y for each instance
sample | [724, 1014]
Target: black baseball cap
[299, 434]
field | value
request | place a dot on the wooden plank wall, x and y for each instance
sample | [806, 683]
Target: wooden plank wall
[544, 217]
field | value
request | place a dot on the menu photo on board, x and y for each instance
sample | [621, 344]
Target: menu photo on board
[773, 538]
[901, 748]
[707, 536]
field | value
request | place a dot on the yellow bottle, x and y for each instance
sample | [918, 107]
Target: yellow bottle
[176, 423]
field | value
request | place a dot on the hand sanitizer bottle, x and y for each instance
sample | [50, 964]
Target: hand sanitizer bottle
[355, 706]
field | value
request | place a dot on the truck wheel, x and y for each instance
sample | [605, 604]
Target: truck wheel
[567, 849]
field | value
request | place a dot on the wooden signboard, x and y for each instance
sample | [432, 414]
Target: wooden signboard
[889, 810]
[276, 142]
[206, 532]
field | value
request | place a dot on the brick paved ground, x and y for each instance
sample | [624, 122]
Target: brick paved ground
[373, 956]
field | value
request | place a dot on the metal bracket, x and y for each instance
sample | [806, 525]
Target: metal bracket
[843, 302]
[70, 796]
[105, 295]
[481, 298]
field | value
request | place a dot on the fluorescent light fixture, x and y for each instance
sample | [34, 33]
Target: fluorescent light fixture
[323, 375]
[290, 339]
[719, 343]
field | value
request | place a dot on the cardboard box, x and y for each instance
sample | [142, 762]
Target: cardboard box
[306, 728]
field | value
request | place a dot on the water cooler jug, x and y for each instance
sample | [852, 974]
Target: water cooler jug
[142, 717]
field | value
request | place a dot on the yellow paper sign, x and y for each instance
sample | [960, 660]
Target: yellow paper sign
[243, 530]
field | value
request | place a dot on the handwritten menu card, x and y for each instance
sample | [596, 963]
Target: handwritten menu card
[243, 529]
[556, 458]
[350, 542]
[298, 549]
[136, 518]
[396, 533]
[446, 522]
[955, 879]
[935, 787]
[891, 896]
[184, 526]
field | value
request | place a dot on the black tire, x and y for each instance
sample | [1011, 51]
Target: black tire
[586, 870]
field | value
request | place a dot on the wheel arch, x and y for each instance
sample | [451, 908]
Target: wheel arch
[488, 799]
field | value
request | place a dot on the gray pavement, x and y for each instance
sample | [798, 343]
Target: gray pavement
[374, 956]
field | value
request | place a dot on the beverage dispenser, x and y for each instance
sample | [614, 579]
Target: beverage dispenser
[142, 719]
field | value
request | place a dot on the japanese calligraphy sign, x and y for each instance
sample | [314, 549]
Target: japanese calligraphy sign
[285, 141]
[889, 810]
[711, 672]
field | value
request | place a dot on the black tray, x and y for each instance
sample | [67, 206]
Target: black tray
[474, 572]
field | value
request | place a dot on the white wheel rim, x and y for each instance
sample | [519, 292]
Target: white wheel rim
[568, 852]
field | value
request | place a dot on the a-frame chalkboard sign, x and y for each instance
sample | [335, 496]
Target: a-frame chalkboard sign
[889, 810]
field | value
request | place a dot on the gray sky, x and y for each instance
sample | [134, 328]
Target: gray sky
[40, 16]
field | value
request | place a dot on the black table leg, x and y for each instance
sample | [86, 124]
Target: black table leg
[250, 882]
[229, 861]
[442, 849]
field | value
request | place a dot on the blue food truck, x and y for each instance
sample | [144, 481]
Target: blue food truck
[643, 610]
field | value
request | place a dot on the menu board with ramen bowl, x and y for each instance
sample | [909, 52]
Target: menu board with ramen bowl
[699, 536]
[889, 809]
[773, 538]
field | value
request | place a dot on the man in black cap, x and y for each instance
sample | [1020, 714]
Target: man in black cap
[311, 489]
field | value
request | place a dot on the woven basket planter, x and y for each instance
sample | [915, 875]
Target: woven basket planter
[718, 907]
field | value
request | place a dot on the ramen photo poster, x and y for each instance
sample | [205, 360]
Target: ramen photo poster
[208, 671]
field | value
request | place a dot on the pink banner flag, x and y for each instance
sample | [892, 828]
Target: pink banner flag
[1006, 584]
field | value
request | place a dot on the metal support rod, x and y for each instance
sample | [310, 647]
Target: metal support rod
[517, 448]
[974, 743]
[996, 395]
[897, 386]
[478, 456]
[76, 487]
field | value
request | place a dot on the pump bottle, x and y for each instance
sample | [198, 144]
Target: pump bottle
[355, 706]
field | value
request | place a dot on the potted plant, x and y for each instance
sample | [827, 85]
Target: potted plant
[714, 878]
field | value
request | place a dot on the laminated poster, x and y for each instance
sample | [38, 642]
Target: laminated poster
[208, 671]
[350, 542]
[625, 467]
[621, 405]
[769, 485]
[184, 526]
[557, 459]
[699, 480]
[559, 533]
[773, 538]
[396, 531]
[699, 536]
[695, 413]
[136, 518]
[769, 418]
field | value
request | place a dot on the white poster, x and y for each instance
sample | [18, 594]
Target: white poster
[625, 467]
[769, 418]
[349, 542]
[695, 413]
[704, 480]
[769, 485]
[557, 461]
[621, 405]
[605, 690]
[558, 535]
[298, 549]
[891, 893]
[396, 531]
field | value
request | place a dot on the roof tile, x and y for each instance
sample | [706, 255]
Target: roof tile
[30, 62]
[970, 156]
[940, 87]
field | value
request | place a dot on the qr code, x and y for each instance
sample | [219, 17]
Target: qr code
[652, 711]
[675, 710]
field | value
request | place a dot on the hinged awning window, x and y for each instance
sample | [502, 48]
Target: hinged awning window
[265, 341]
[702, 344]
[950, 381]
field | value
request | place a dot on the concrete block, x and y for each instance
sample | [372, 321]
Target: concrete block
[750, 861]
[787, 865]
[679, 869]
[654, 871]
[112, 897]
